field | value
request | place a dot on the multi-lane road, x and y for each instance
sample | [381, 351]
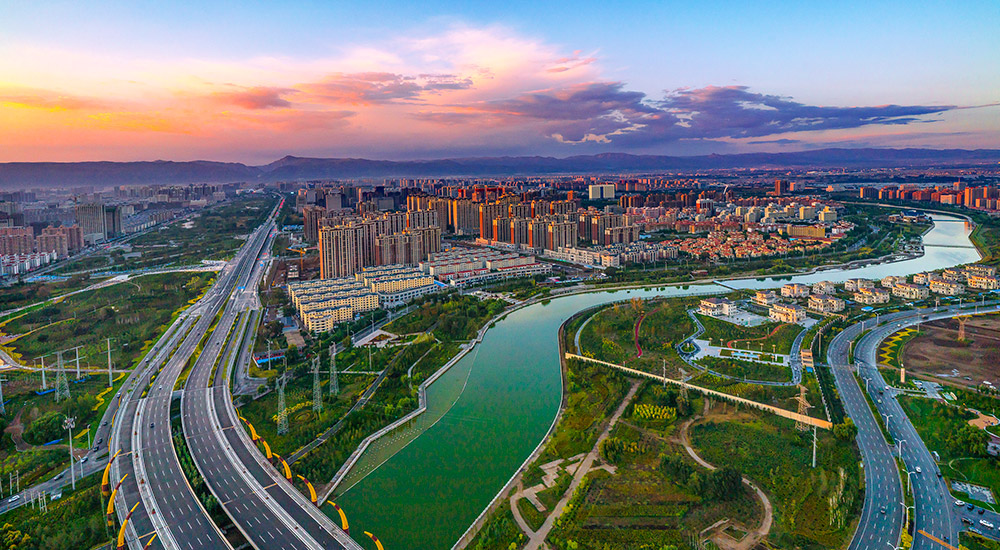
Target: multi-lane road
[933, 511]
[264, 507]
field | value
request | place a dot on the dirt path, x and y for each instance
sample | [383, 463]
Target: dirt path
[16, 431]
[753, 537]
[537, 540]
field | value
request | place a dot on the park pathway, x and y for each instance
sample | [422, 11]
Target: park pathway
[537, 540]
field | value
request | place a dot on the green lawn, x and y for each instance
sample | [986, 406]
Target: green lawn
[768, 337]
[747, 370]
[939, 425]
[610, 334]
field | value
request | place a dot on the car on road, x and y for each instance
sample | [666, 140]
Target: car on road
[14, 498]
[919, 471]
[981, 511]
[970, 507]
[967, 521]
[959, 503]
[84, 460]
[150, 425]
[986, 524]
[882, 510]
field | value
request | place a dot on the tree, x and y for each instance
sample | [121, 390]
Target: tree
[724, 483]
[968, 441]
[846, 430]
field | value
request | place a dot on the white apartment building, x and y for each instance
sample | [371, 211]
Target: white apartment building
[795, 290]
[788, 313]
[715, 307]
[825, 304]
[910, 291]
[946, 288]
[869, 296]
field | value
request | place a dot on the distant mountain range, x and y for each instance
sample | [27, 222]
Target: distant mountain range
[27, 175]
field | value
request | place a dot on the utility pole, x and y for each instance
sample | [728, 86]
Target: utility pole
[334, 383]
[664, 373]
[77, 349]
[44, 385]
[3, 410]
[111, 381]
[282, 412]
[69, 423]
[317, 390]
[814, 447]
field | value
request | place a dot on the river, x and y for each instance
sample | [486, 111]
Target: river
[420, 488]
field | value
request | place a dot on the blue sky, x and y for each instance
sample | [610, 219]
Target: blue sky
[128, 62]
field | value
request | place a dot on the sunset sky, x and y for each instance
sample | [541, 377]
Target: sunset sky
[254, 81]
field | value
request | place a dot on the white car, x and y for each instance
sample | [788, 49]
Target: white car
[986, 524]
[14, 498]
[959, 503]
[919, 470]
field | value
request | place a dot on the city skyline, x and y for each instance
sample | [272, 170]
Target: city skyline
[394, 81]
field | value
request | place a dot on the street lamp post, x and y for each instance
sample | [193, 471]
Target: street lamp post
[69, 423]
[899, 449]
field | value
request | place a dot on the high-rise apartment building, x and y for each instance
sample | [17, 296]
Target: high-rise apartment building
[16, 240]
[464, 216]
[489, 211]
[92, 221]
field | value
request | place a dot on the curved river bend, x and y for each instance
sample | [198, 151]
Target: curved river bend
[421, 487]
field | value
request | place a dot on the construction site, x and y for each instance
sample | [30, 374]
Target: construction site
[963, 350]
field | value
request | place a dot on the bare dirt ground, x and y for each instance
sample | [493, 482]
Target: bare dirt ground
[937, 351]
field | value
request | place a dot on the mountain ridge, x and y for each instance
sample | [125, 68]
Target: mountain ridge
[15, 175]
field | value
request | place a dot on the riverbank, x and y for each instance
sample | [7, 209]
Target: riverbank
[494, 406]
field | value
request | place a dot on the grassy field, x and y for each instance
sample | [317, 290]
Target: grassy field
[22, 294]
[814, 509]
[610, 334]
[768, 337]
[397, 395]
[941, 427]
[448, 316]
[779, 396]
[747, 370]
[212, 234]
[134, 314]
[972, 541]
[74, 521]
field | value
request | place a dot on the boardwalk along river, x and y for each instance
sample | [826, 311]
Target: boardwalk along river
[422, 486]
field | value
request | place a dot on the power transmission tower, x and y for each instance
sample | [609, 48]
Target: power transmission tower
[62, 383]
[804, 407]
[3, 410]
[44, 385]
[282, 412]
[961, 327]
[334, 383]
[317, 389]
